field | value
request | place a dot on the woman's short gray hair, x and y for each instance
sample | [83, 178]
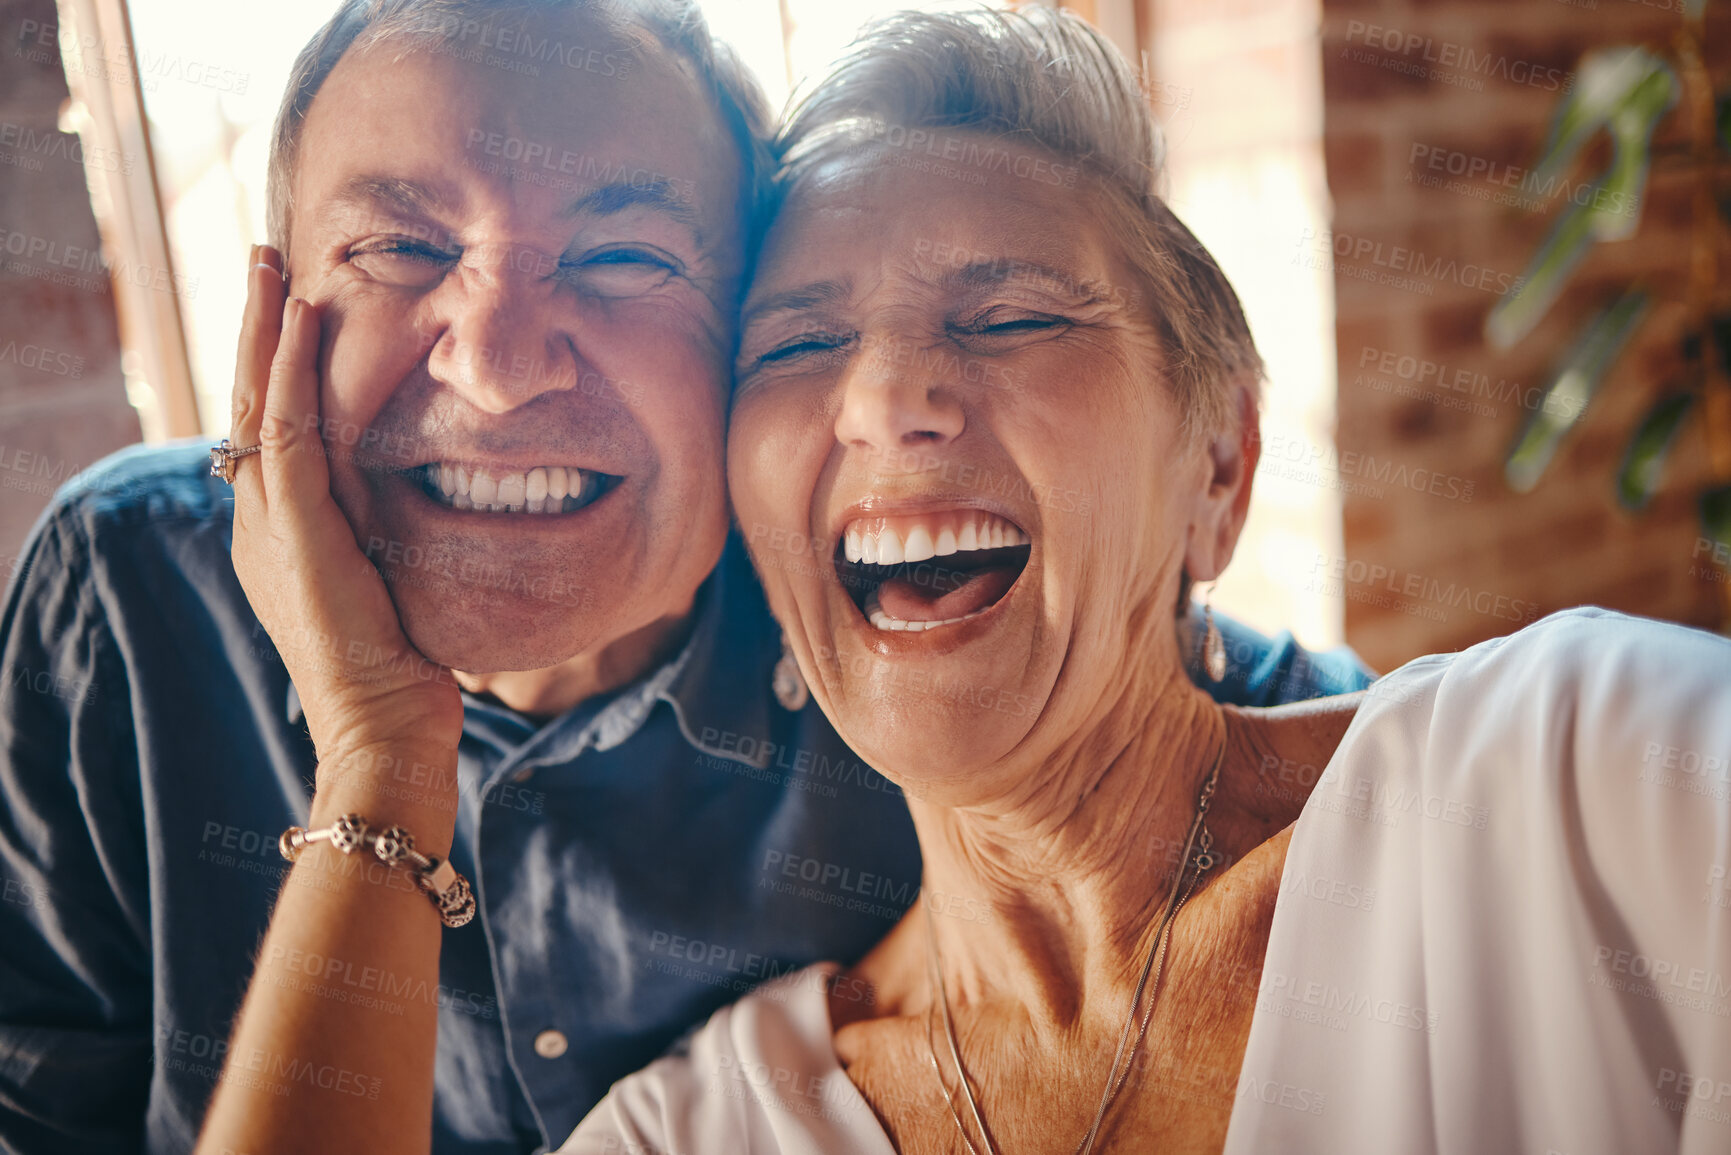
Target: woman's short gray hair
[677, 25]
[1045, 78]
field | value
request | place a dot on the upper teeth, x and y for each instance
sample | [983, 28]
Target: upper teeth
[892, 541]
[544, 489]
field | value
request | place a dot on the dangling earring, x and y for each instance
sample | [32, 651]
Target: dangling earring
[788, 682]
[1213, 645]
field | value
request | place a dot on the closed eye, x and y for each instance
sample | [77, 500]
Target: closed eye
[1009, 323]
[622, 270]
[804, 345]
[1000, 332]
[403, 261]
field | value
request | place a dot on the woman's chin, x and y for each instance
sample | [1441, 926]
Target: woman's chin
[939, 755]
[930, 707]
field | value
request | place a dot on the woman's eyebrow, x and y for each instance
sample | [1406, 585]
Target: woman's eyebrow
[996, 271]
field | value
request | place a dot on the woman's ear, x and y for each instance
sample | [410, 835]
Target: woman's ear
[1230, 459]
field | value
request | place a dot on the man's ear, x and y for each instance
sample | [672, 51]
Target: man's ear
[1230, 459]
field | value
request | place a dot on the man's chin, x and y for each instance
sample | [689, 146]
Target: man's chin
[498, 638]
[493, 653]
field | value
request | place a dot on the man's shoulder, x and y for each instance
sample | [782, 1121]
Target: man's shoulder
[144, 484]
[140, 526]
[1267, 671]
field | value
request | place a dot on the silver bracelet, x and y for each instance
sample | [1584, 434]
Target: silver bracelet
[448, 890]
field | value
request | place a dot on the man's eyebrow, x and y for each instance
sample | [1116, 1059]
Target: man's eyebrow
[408, 197]
[660, 195]
[793, 300]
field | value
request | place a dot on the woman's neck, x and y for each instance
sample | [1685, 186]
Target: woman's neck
[1052, 898]
[1058, 894]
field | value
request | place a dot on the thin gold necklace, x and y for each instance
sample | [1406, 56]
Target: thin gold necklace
[1193, 867]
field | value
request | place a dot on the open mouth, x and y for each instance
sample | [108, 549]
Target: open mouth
[543, 489]
[913, 573]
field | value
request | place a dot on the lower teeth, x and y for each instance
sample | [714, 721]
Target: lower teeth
[875, 615]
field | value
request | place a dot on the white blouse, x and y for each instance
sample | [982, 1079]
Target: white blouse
[1504, 924]
[759, 1076]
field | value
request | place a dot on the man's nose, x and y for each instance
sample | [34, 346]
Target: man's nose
[508, 338]
[886, 409]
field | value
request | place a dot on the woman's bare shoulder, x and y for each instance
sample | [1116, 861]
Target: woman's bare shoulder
[1275, 756]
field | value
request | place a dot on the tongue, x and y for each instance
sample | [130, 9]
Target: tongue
[952, 594]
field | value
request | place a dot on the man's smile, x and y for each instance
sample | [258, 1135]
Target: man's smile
[545, 489]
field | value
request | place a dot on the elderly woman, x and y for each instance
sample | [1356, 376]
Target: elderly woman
[1496, 923]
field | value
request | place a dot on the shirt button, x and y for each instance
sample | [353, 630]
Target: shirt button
[550, 1044]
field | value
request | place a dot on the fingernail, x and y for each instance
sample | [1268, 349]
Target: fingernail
[252, 259]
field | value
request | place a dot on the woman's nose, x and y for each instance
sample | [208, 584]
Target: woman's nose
[891, 408]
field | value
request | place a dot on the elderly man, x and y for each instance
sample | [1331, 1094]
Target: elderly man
[526, 229]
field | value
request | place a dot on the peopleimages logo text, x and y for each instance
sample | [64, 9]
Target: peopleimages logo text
[1417, 48]
[1417, 268]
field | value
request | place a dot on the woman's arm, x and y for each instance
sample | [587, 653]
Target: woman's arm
[311, 1066]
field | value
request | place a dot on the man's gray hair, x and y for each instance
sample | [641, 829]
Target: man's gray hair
[1044, 78]
[677, 25]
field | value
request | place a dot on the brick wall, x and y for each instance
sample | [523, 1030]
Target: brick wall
[62, 397]
[1437, 553]
[1428, 567]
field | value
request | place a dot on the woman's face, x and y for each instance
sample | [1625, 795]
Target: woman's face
[956, 465]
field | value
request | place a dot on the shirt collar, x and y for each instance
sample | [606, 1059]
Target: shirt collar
[718, 684]
[721, 695]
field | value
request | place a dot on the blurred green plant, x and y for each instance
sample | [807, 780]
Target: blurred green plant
[1626, 92]
[1572, 386]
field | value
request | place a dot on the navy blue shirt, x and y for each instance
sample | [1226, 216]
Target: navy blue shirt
[639, 861]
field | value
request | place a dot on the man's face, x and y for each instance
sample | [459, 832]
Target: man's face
[526, 264]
